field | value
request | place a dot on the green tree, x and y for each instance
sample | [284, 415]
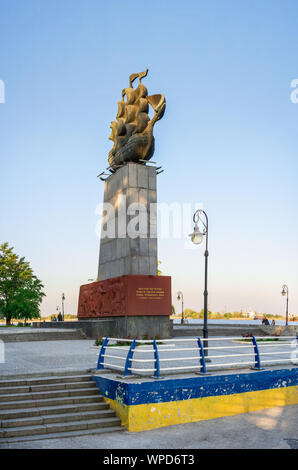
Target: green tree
[217, 315]
[189, 313]
[20, 290]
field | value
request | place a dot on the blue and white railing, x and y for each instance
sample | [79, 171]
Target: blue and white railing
[157, 358]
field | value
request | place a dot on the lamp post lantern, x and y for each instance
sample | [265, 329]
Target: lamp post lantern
[180, 297]
[285, 291]
[63, 298]
[197, 236]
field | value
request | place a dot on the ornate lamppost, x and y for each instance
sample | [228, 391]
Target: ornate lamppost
[285, 291]
[197, 236]
[180, 297]
[63, 298]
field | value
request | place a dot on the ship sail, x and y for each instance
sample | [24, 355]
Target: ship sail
[132, 132]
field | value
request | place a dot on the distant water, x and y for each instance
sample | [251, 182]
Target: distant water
[223, 322]
[232, 322]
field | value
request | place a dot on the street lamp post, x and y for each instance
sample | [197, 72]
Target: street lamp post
[63, 298]
[180, 297]
[197, 238]
[285, 291]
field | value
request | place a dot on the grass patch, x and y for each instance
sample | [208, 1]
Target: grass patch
[98, 342]
[265, 340]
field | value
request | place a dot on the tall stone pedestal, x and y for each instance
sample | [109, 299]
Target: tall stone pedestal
[128, 243]
[128, 288]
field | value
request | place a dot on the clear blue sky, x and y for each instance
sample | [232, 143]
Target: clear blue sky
[228, 139]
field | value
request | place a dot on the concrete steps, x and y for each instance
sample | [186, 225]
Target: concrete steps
[56, 418]
[60, 405]
[63, 434]
[46, 411]
[45, 395]
[45, 388]
[47, 377]
[49, 402]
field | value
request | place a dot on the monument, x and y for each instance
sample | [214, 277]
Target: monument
[128, 289]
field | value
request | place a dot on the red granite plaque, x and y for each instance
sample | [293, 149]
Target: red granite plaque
[132, 295]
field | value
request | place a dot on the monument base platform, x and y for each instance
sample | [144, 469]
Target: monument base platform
[117, 327]
[137, 306]
[131, 295]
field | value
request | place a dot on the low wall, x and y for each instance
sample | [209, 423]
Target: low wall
[161, 327]
[218, 330]
[17, 334]
[93, 329]
[143, 327]
[235, 330]
[119, 327]
[279, 330]
[151, 404]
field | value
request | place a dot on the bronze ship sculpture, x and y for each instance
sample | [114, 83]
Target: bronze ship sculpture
[132, 132]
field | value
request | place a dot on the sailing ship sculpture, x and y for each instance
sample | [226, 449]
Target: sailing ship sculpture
[132, 132]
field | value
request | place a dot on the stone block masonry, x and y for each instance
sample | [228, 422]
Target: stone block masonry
[128, 242]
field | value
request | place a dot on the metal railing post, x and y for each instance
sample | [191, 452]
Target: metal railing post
[156, 358]
[102, 352]
[202, 360]
[257, 365]
[128, 362]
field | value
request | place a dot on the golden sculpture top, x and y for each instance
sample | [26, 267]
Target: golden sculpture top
[132, 132]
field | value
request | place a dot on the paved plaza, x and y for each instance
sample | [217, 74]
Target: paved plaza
[43, 356]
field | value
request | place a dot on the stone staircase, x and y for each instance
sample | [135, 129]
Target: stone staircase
[66, 404]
